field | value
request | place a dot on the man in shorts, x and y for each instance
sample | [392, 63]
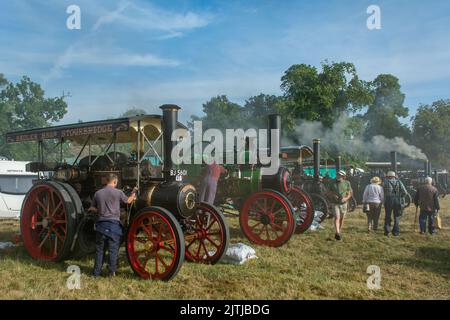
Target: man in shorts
[339, 193]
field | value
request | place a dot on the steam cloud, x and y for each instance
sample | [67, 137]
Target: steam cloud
[341, 138]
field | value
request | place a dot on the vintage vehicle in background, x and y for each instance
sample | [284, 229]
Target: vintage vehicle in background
[165, 225]
[15, 182]
[270, 209]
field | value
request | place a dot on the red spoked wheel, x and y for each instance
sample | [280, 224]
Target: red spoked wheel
[47, 222]
[207, 235]
[267, 218]
[303, 207]
[155, 244]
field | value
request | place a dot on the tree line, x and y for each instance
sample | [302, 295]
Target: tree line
[309, 93]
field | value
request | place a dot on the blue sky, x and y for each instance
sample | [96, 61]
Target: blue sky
[146, 53]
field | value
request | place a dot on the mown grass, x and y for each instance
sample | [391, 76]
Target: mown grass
[310, 266]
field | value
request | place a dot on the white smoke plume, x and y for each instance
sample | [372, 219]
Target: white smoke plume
[341, 138]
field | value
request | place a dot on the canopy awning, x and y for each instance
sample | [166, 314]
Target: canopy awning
[126, 130]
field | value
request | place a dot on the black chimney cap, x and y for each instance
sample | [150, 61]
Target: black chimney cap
[172, 107]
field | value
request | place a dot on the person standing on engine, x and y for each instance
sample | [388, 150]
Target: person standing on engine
[394, 199]
[108, 228]
[373, 196]
[339, 193]
[427, 198]
[208, 185]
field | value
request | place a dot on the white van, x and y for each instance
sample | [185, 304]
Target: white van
[15, 182]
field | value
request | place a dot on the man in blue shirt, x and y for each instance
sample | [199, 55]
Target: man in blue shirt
[108, 228]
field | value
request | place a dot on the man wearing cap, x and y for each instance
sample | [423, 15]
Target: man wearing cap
[394, 195]
[339, 192]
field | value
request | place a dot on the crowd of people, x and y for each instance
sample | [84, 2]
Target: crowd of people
[390, 193]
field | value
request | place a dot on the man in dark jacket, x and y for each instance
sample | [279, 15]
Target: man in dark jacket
[427, 198]
[394, 196]
[108, 228]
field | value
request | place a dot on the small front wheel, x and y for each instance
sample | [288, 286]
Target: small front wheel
[207, 235]
[155, 244]
[267, 218]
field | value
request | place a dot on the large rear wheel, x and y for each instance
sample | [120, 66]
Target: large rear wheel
[48, 222]
[267, 218]
[304, 208]
[155, 244]
[207, 235]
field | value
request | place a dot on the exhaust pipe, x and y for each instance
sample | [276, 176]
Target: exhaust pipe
[338, 164]
[394, 161]
[169, 124]
[316, 148]
[425, 168]
[429, 169]
[274, 122]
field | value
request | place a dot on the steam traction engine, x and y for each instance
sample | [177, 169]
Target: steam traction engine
[271, 210]
[165, 225]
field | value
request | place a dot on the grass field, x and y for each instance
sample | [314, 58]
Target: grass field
[310, 266]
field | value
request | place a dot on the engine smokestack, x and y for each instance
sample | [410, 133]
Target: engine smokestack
[169, 124]
[338, 164]
[274, 122]
[394, 161]
[425, 168]
[316, 148]
[429, 171]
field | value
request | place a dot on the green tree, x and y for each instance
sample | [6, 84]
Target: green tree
[133, 111]
[24, 106]
[382, 116]
[322, 96]
[220, 113]
[257, 108]
[431, 131]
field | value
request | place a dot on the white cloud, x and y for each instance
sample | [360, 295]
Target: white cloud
[149, 17]
[84, 55]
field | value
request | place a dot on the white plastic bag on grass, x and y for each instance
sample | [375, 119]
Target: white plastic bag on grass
[315, 225]
[6, 245]
[239, 253]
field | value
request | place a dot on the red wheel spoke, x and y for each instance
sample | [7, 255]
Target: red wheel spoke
[57, 208]
[162, 262]
[276, 227]
[58, 235]
[206, 250]
[267, 233]
[141, 240]
[255, 225]
[170, 250]
[147, 230]
[213, 243]
[190, 243]
[198, 250]
[45, 238]
[40, 204]
[139, 252]
[55, 252]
